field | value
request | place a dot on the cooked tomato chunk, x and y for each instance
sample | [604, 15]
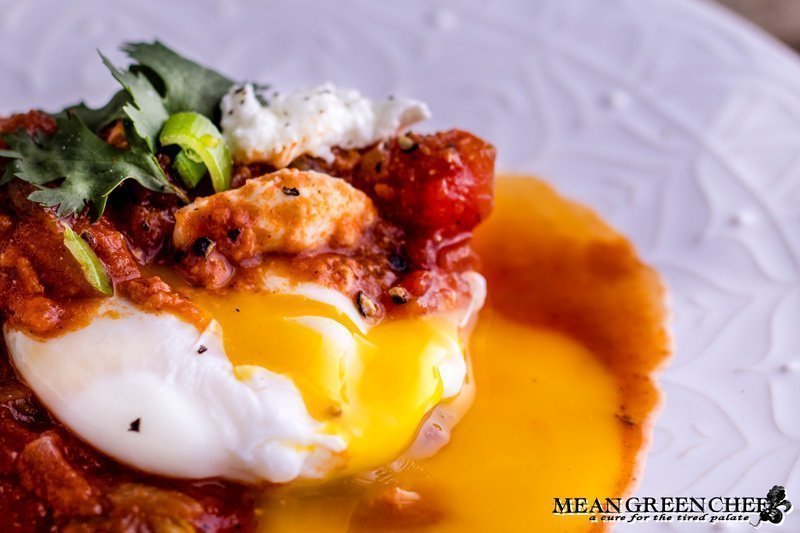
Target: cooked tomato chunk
[428, 183]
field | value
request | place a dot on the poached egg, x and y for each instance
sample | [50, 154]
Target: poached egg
[278, 386]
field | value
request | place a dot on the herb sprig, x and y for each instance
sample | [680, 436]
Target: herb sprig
[74, 169]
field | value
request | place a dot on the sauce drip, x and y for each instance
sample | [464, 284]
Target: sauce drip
[562, 356]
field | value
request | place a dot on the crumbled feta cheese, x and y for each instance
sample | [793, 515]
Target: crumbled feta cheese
[310, 122]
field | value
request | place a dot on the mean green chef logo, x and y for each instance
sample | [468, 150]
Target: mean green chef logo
[680, 509]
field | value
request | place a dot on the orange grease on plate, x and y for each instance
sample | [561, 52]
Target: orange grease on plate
[562, 354]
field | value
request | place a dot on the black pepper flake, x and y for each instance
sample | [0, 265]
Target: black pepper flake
[366, 306]
[135, 425]
[399, 295]
[234, 233]
[398, 263]
[291, 191]
[237, 309]
[202, 246]
[202, 349]
[378, 166]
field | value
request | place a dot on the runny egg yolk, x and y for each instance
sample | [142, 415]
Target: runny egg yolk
[372, 389]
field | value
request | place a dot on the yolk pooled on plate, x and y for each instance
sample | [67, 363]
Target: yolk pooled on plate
[542, 425]
[373, 389]
[562, 356]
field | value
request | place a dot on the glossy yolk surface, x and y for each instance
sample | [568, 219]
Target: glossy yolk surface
[371, 389]
[561, 356]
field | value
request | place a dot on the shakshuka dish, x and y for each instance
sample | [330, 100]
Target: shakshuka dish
[227, 307]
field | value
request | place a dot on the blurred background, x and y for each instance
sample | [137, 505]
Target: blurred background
[779, 17]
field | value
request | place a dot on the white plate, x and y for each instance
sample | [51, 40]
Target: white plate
[676, 121]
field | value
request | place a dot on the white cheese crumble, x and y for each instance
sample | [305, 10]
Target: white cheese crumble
[310, 122]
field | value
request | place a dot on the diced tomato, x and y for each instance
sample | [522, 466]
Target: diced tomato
[429, 183]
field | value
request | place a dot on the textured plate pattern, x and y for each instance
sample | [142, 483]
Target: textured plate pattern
[676, 121]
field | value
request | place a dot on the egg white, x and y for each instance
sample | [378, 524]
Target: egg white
[197, 419]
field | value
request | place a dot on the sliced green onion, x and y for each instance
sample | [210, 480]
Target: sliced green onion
[196, 133]
[93, 269]
[190, 171]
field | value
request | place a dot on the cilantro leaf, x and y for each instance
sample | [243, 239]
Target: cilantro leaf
[90, 167]
[146, 111]
[160, 84]
[187, 85]
[97, 119]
